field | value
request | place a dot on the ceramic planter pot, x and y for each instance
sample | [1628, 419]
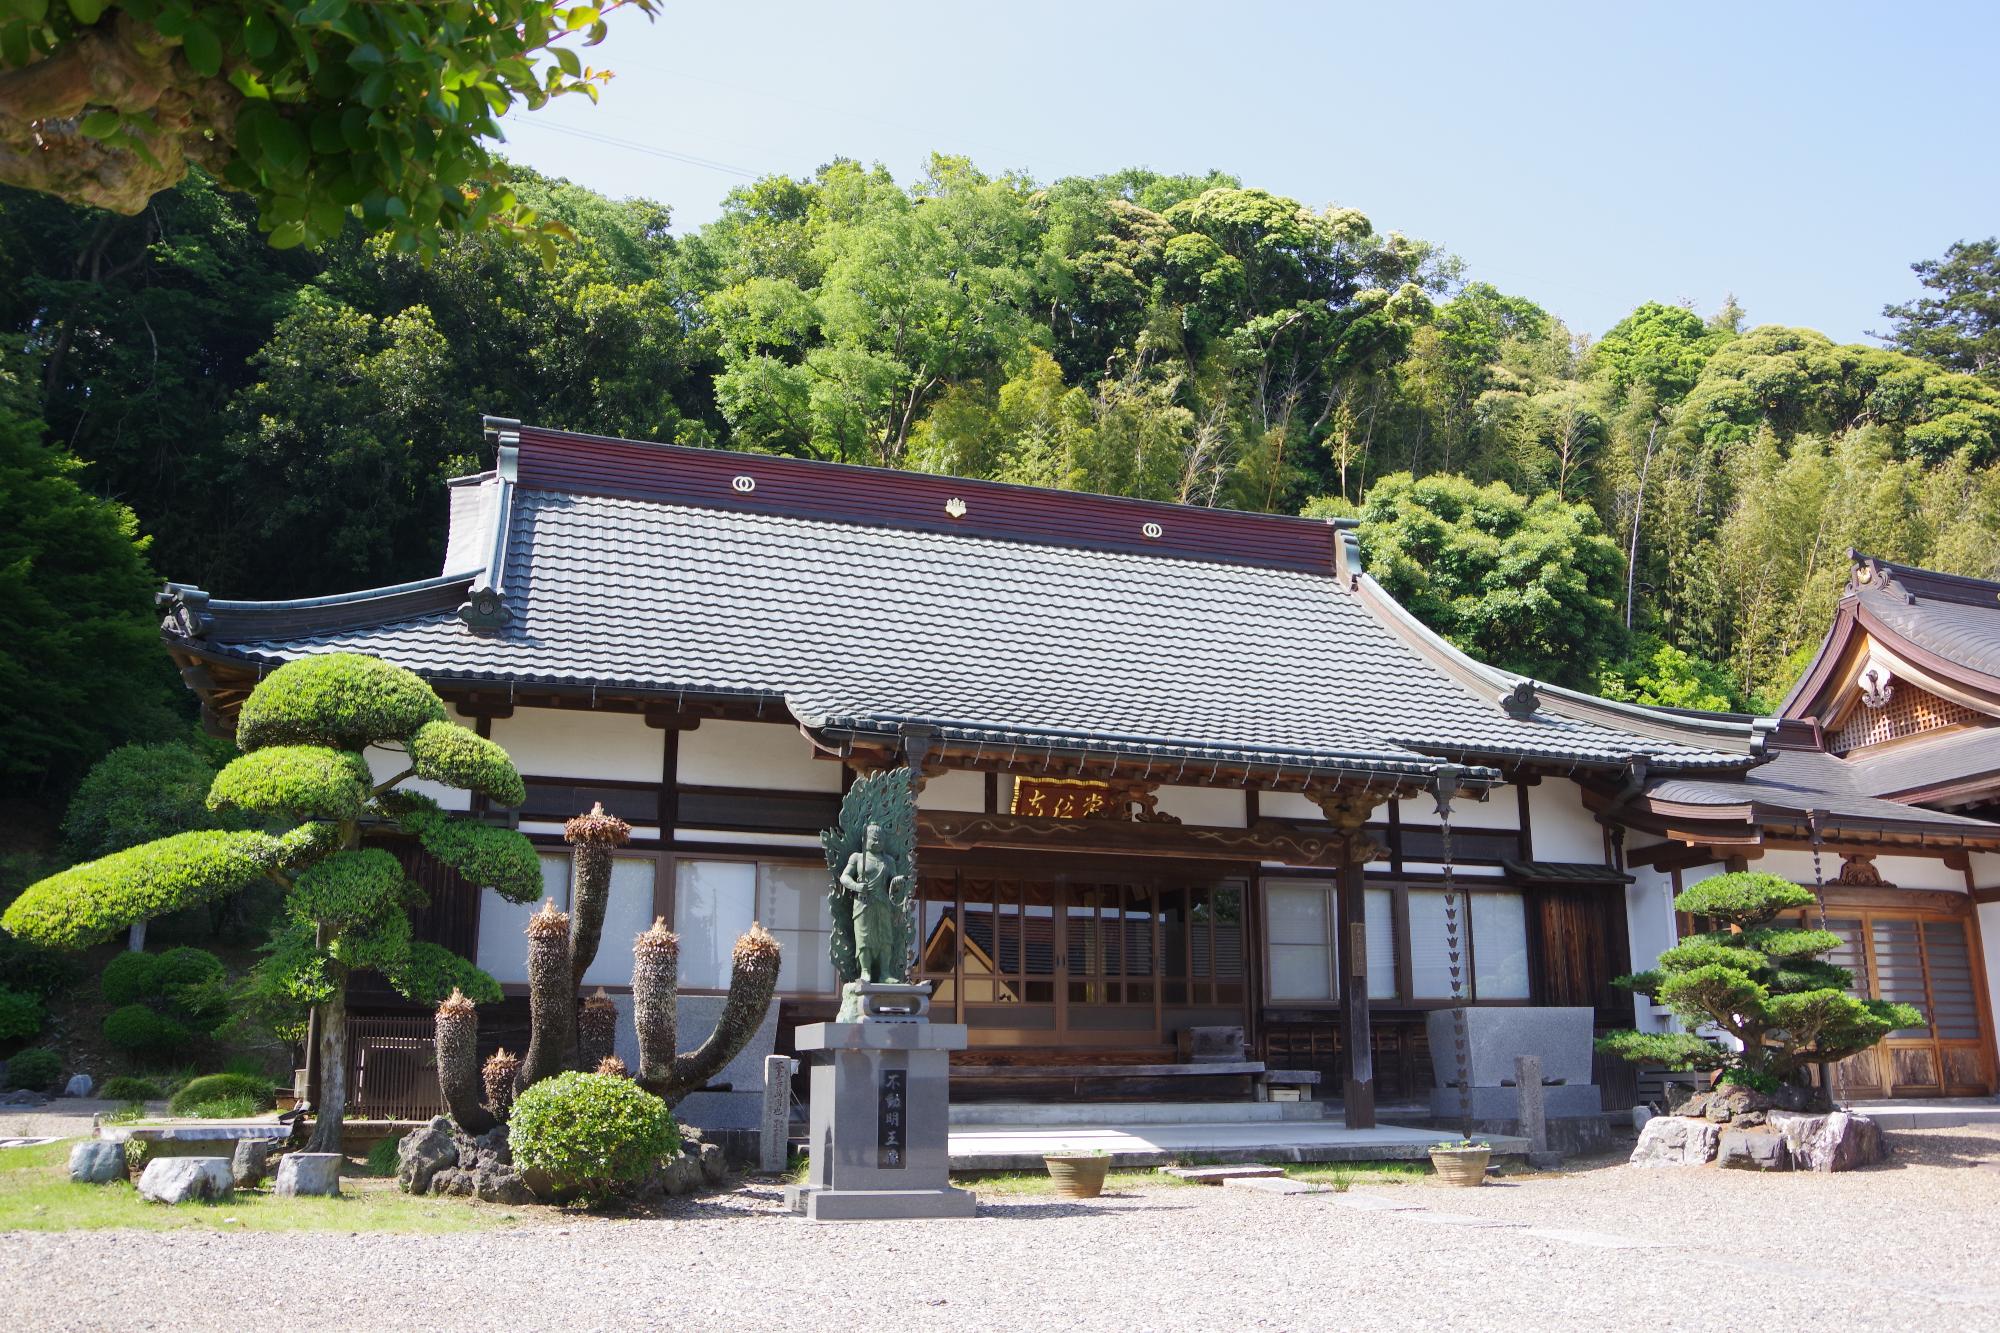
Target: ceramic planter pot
[1078, 1175]
[1461, 1166]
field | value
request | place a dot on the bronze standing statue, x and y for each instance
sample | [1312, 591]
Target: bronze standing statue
[872, 857]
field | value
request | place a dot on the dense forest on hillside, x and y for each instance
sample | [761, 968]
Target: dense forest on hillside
[1661, 512]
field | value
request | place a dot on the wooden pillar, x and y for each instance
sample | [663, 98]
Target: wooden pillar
[1358, 1085]
[1348, 810]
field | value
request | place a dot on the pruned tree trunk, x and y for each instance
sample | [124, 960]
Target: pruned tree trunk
[656, 956]
[594, 836]
[457, 1042]
[753, 979]
[596, 1031]
[551, 996]
[501, 1075]
[331, 1111]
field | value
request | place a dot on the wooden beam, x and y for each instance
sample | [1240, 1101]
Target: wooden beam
[953, 830]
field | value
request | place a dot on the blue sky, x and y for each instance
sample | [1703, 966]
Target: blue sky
[1587, 156]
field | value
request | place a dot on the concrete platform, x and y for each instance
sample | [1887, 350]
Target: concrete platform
[1074, 1114]
[1020, 1147]
[1931, 1112]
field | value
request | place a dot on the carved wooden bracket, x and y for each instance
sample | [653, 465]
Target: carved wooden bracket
[1857, 870]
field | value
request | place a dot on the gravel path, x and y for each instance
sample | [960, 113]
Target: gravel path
[1914, 1245]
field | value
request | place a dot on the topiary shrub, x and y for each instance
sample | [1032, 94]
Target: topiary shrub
[212, 1088]
[34, 1069]
[128, 978]
[590, 1133]
[20, 1015]
[303, 731]
[126, 1088]
[1767, 986]
[144, 1034]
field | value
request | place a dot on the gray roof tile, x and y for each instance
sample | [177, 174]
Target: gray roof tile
[996, 641]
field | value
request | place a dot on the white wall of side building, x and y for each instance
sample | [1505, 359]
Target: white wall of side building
[1500, 810]
[385, 763]
[1563, 828]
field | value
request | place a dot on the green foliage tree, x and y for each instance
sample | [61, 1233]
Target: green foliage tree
[141, 792]
[1663, 348]
[1765, 985]
[319, 110]
[75, 634]
[1959, 328]
[1659, 673]
[1527, 584]
[302, 732]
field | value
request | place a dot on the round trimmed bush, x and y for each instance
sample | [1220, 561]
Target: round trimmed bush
[126, 1088]
[345, 700]
[139, 1032]
[129, 978]
[36, 1070]
[220, 1088]
[590, 1132]
[296, 781]
[20, 1015]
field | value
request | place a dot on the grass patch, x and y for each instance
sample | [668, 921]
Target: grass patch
[1028, 1184]
[36, 1195]
[382, 1157]
[1343, 1175]
[238, 1107]
[126, 1114]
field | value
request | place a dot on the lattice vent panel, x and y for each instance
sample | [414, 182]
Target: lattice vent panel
[1908, 712]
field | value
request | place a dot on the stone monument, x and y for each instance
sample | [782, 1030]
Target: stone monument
[879, 1125]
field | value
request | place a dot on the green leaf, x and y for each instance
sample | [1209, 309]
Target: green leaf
[203, 49]
[569, 62]
[87, 11]
[100, 124]
[260, 35]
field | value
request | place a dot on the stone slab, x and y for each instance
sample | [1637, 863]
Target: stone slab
[1471, 1221]
[1277, 1185]
[822, 1205]
[1597, 1240]
[1560, 1036]
[1375, 1203]
[1216, 1175]
[1021, 1147]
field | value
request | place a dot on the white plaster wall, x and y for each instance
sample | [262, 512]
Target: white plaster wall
[385, 763]
[1562, 829]
[1905, 872]
[1986, 870]
[1217, 807]
[1650, 929]
[955, 790]
[1290, 805]
[572, 743]
[1500, 810]
[754, 754]
[1989, 938]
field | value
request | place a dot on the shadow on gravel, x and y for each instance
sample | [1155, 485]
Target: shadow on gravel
[1934, 1149]
[1009, 1211]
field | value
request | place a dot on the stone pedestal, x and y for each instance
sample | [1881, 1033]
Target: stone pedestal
[880, 1120]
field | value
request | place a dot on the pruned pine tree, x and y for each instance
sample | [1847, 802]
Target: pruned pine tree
[304, 731]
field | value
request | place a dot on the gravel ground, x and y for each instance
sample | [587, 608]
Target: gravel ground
[1916, 1244]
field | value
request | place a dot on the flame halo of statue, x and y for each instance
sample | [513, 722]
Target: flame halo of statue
[872, 855]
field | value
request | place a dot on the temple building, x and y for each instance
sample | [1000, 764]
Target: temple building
[1179, 766]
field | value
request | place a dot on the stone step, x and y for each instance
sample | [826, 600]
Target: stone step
[1216, 1175]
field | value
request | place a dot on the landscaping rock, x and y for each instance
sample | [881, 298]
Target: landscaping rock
[425, 1152]
[504, 1186]
[308, 1173]
[1753, 1150]
[23, 1097]
[79, 1085]
[251, 1162]
[1840, 1141]
[1673, 1140]
[96, 1161]
[185, 1179]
